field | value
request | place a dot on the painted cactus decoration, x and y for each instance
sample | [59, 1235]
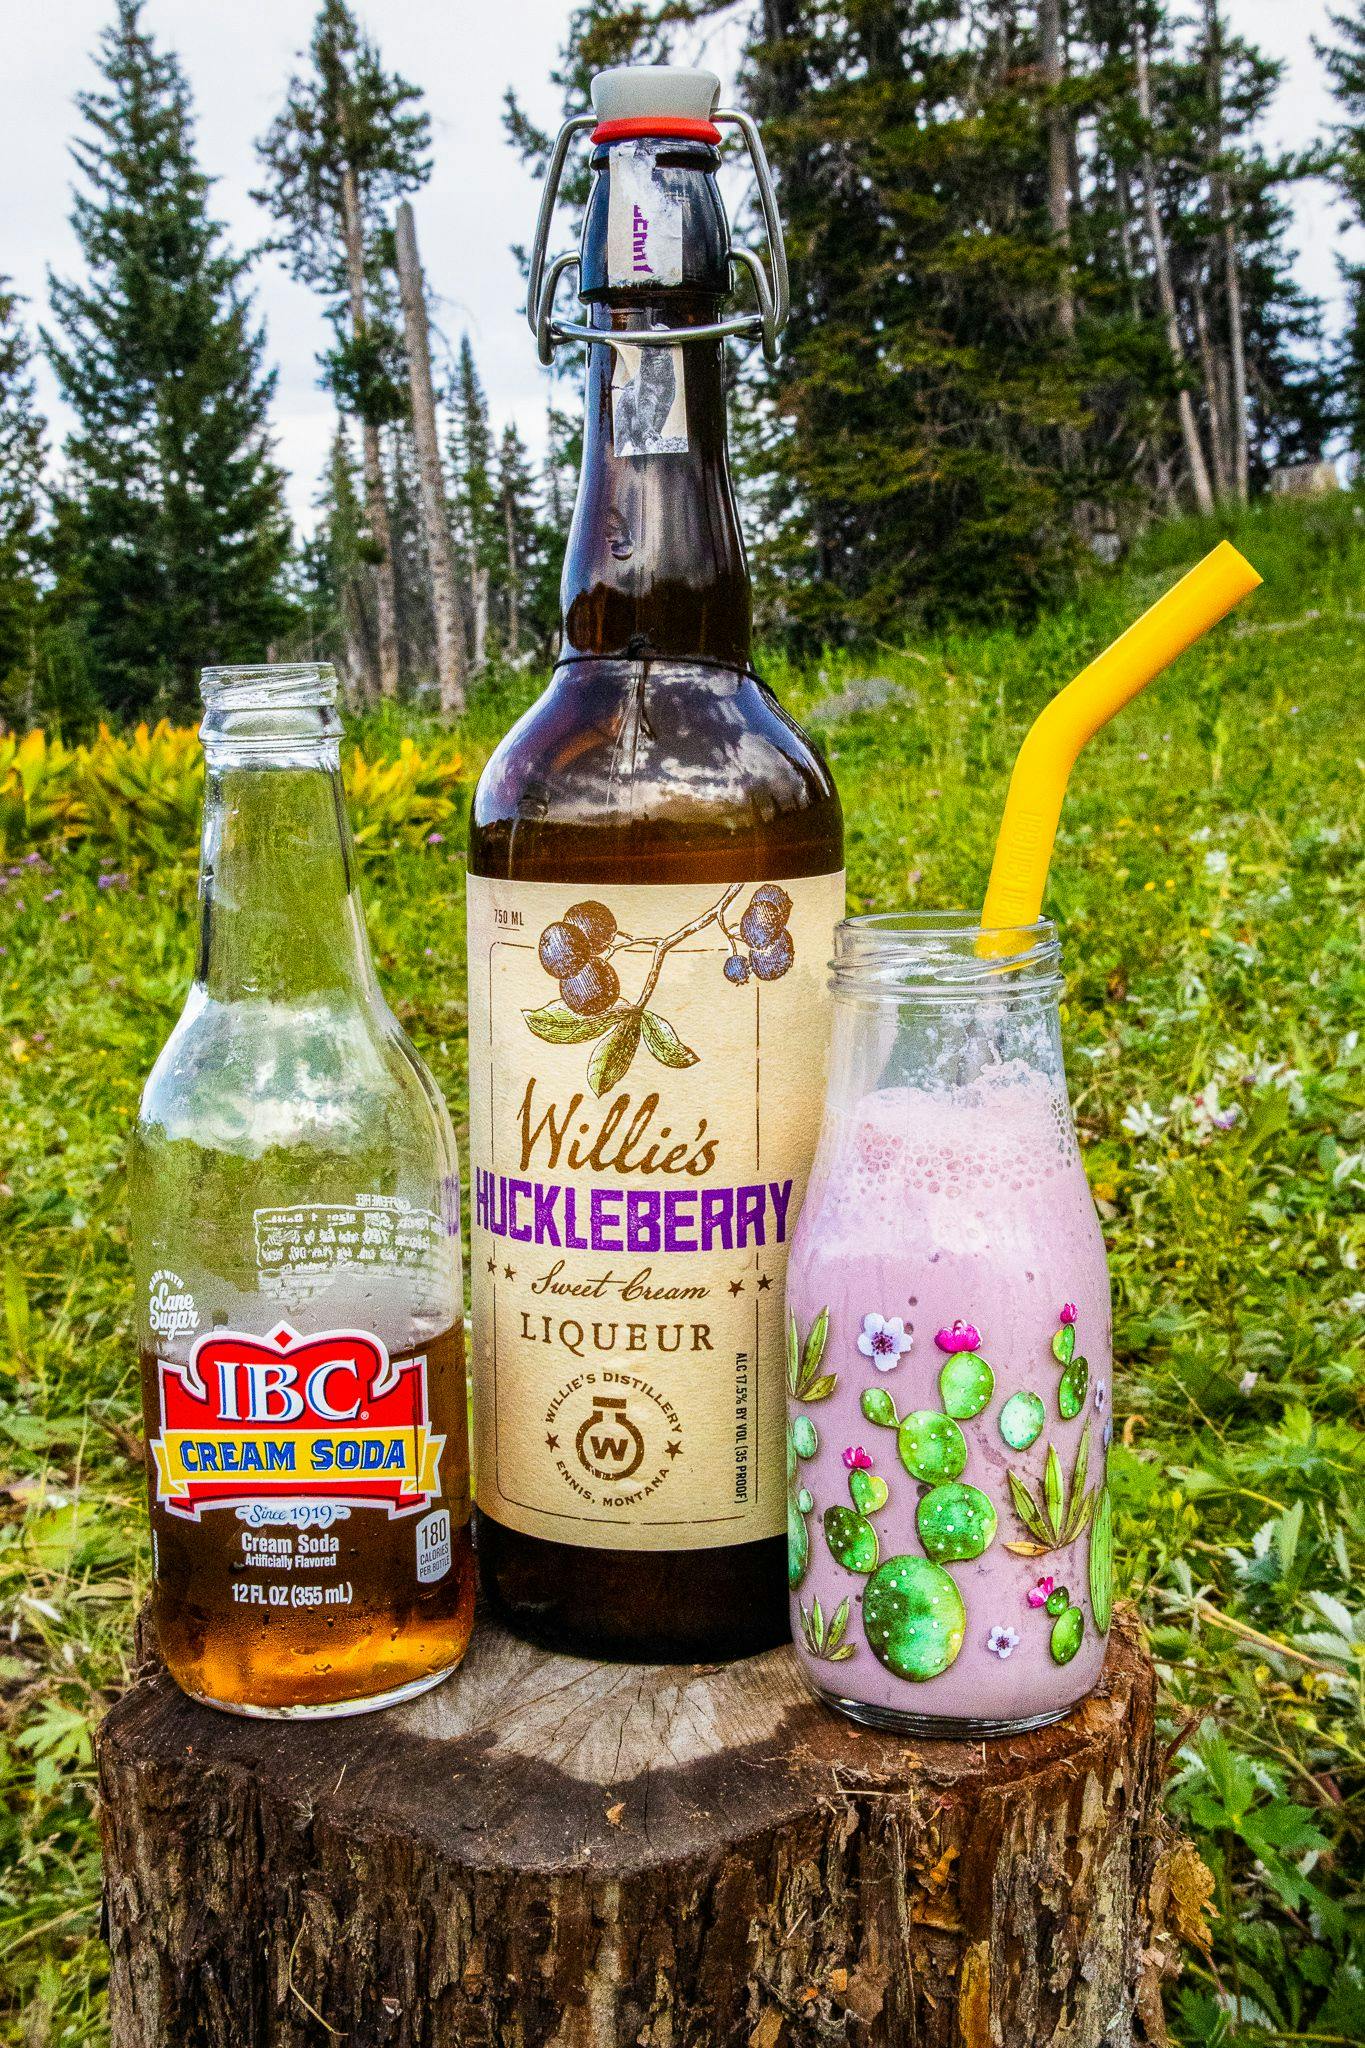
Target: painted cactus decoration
[914, 1614]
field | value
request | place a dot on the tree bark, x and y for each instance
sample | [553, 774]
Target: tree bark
[1058, 156]
[551, 1853]
[445, 595]
[1220, 194]
[1161, 266]
[376, 504]
[1218, 425]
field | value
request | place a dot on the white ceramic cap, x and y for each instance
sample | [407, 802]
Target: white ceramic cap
[631, 91]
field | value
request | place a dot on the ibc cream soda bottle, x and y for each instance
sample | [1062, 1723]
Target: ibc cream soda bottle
[295, 1210]
[655, 869]
[949, 1363]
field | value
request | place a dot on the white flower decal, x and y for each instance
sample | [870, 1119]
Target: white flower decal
[1002, 1642]
[884, 1340]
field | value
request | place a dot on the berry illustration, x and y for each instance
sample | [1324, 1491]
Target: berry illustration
[563, 949]
[595, 921]
[772, 961]
[737, 969]
[593, 989]
[767, 914]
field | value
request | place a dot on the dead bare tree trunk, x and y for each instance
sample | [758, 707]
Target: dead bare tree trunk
[1058, 157]
[1220, 195]
[1213, 389]
[445, 594]
[1161, 266]
[376, 504]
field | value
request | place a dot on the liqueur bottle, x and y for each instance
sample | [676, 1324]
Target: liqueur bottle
[295, 1210]
[655, 871]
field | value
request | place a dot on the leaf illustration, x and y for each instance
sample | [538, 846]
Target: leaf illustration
[664, 1042]
[1054, 1491]
[844, 1650]
[611, 1061]
[1080, 1468]
[558, 1025]
[1064, 1343]
[1022, 1549]
[1029, 1513]
[821, 1389]
[814, 1349]
[793, 1356]
[817, 1617]
[838, 1623]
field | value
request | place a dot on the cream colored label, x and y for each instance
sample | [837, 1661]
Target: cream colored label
[647, 1070]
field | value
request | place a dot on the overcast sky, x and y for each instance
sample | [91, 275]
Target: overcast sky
[463, 54]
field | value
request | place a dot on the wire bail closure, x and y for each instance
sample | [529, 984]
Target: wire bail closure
[774, 297]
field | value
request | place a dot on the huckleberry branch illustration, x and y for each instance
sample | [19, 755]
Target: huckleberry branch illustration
[580, 951]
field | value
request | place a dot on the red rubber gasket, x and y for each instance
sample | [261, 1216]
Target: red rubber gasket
[635, 127]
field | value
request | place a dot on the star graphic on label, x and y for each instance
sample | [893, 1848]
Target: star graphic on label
[552, 1443]
[492, 1265]
[764, 1283]
[736, 1287]
[674, 1450]
[509, 1273]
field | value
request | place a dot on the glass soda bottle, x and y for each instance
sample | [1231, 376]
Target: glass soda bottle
[951, 1551]
[655, 870]
[295, 1213]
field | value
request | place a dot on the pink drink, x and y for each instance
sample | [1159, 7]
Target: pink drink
[950, 1235]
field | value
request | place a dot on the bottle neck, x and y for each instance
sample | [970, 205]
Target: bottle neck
[655, 567]
[280, 914]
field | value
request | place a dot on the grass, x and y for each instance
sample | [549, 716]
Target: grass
[1209, 886]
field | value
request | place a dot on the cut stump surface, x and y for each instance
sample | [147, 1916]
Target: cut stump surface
[552, 1853]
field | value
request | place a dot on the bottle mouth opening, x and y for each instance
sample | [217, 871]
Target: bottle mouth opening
[944, 955]
[270, 686]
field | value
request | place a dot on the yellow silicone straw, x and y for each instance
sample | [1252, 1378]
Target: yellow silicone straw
[1023, 851]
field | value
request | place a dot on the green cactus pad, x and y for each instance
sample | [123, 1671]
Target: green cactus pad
[878, 1407]
[851, 1538]
[798, 1546]
[955, 1522]
[1021, 1421]
[913, 1617]
[966, 1384]
[805, 1437]
[1072, 1389]
[1067, 1631]
[1058, 1601]
[805, 1500]
[868, 1491]
[931, 1446]
[1102, 1561]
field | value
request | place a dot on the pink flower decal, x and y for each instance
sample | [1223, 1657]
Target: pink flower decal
[1002, 1642]
[1068, 1314]
[962, 1337]
[1038, 1596]
[856, 1459]
[884, 1340]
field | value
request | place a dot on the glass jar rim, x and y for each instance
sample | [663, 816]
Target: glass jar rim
[269, 686]
[943, 955]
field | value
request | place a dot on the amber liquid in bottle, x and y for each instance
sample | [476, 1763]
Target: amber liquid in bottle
[654, 756]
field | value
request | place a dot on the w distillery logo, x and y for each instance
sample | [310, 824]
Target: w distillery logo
[608, 1444]
[613, 1439]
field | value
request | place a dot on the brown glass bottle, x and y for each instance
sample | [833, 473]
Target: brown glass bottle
[655, 756]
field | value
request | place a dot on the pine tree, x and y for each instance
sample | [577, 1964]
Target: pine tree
[474, 502]
[171, 533]
[350, 140]
[21, 505]
[1345, 62]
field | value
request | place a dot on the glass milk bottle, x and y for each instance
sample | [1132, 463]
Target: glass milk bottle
[950, 1547]
[295, 1211]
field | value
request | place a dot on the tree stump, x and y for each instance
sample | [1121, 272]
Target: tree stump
[551, 1853]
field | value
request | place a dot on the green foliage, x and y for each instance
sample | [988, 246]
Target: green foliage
[1208, 883]
[170, 533]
